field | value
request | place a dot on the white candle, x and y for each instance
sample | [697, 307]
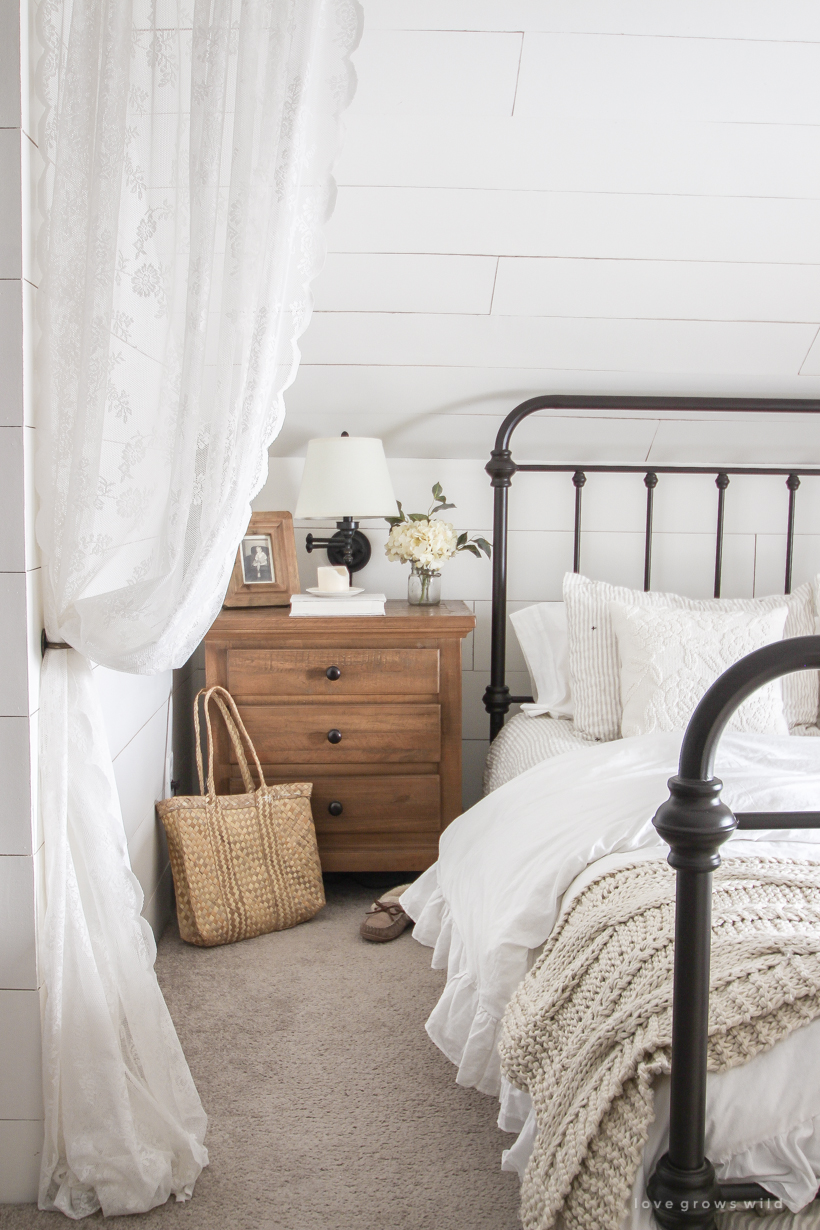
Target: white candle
[332, 579]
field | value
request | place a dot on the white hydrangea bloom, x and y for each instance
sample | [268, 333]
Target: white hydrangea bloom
[426, 543]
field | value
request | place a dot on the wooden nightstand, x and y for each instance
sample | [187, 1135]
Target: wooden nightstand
[367, 708]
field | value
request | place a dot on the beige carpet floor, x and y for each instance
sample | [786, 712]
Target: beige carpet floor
[330, 1108]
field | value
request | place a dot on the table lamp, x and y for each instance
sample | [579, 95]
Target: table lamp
[345, 479]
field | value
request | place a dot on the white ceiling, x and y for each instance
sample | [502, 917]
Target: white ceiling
[571, 197]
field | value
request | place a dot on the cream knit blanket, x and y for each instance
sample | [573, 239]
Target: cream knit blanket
[590, 1026]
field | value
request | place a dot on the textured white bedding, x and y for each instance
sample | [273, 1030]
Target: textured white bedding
[525, 741]
[491, 900]
[786, 1164]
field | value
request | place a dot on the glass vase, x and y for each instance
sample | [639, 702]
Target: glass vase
[423, 586]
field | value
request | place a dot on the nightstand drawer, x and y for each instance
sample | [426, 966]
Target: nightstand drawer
[332, 673]
[343, 734]
[396, 805]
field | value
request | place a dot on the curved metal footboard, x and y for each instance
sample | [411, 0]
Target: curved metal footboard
[695, 823]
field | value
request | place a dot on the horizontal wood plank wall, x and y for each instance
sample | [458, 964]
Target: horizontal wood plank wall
[582, 196]
[570, 195]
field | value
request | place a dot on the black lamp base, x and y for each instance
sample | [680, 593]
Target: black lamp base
[360, 550]
[348, 546]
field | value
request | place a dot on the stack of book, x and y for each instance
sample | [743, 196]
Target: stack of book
[357, 604]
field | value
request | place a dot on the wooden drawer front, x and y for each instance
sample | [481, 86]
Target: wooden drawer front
[297, 734]
[378, 852]
[363, 672]
[407, 804]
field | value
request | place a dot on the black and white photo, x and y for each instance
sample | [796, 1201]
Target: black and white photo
[257, 560]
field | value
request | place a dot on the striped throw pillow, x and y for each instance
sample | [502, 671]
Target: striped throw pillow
[594, 666]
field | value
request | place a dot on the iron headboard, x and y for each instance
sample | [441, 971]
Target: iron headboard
[502, 468]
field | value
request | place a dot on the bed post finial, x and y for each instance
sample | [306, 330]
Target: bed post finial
[694, 823]
[500, 467]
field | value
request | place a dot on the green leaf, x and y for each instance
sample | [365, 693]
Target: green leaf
[391, 521]
[418, 516]
[460, 541]
[440, 508]
[468, 546]
[484, 546]
[438, 494]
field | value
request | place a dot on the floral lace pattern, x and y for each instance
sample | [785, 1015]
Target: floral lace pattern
[670, 657]
[188, 190]
[187, 147]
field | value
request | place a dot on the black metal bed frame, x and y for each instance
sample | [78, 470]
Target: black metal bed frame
[501, 469]
[694, 822]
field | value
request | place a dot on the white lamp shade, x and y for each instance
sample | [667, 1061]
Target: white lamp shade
[345, 476]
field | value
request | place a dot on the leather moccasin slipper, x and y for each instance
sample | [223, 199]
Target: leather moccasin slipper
[385, 920]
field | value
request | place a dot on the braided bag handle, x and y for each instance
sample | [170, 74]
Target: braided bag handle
[232, 721]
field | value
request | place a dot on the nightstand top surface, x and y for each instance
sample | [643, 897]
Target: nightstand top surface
[450, 618]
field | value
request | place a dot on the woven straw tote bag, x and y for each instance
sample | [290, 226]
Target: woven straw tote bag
[243, 864]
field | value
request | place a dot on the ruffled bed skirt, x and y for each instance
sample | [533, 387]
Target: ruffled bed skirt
[787, 1161]
[459, 1025]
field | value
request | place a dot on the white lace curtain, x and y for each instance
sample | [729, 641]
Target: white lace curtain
[188, 148]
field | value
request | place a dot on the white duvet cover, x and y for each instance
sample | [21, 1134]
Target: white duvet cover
[491, 900]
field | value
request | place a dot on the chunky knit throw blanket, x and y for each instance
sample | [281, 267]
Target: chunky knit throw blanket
[590, 1026]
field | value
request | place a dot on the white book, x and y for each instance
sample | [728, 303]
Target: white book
[362, 604]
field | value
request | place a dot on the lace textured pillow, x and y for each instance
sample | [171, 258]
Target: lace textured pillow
[593, 651]
[670, 657]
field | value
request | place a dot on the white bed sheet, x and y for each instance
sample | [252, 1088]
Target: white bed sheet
[489, 903]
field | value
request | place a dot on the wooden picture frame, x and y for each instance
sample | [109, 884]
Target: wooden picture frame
[265, 572]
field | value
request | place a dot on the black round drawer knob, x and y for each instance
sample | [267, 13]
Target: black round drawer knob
[333, 673]
[334, 736]
[335, 809]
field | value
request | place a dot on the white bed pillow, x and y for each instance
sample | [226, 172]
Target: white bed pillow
[670, 657]
[593, 651]
[541, 630]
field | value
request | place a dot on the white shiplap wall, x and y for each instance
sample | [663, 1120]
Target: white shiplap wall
[580, 196]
